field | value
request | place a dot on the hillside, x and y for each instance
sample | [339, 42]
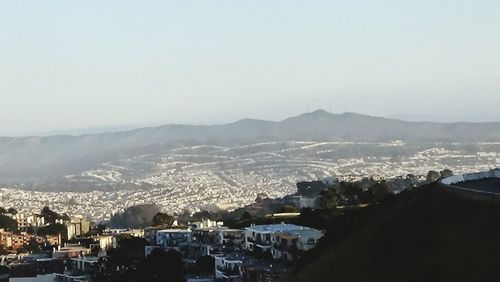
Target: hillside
[53, 157]
[422, 235]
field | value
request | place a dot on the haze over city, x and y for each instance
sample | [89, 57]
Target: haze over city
[94, 64]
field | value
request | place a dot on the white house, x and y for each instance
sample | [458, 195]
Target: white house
[172, 238]
[281, 241]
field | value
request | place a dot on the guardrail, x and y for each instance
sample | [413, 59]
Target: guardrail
[449, 183]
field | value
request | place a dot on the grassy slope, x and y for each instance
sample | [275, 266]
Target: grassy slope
[421, 235]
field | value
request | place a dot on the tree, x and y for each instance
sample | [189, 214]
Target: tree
[446, 173]
[350, 192]
[380, 190]
[49, 215]
[53, 229]
[205, 264]
[135, 217]
[327, 199]
[127, 263]
[433, 176]
[32, 246]
[101, 227]
[163, 266]
[12, 211]
[163, 219]
[8, 223]
[3, 251]
[246, 216]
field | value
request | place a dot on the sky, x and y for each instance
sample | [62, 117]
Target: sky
[95, 64]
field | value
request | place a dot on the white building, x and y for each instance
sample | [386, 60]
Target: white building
[172, 238]
[33, 220]
[230, 237]
[205, 223]
[287, 245]
[227, 267]
[281, 241]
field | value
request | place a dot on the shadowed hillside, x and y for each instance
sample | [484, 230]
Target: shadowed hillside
[53, 157]
[422, 235]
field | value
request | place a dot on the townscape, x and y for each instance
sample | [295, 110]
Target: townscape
[249, 141]
[261, 242]
[64, 248]
[211, 178]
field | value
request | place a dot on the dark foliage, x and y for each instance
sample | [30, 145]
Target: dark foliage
[53, 229]
[8, 223]
[12, 211]
[310, 188]
[289, 209]
[51, 216]
[31, 247]
[163, 219]
[425, 234]
[127, 263]
[204, 265]
[135, 217]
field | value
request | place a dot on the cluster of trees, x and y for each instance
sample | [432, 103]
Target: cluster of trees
[51, 216]
[127, 263]
[353, 193]
[310, 188]
[433, 176]
[367, 191]
[6, 222]
[12, 211]
[425, 234]
[52, 229]
[163, 219]
[136, 217]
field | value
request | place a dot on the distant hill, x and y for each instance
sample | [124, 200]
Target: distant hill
[35, 158]
[426, 234]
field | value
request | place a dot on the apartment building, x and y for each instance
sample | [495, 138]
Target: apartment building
[171, 239]
[281, 241]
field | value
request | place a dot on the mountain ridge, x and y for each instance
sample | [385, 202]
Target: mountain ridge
[25, 157]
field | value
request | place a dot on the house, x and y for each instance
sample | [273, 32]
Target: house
[205, 223]
[280, 241]
[227, 267]
[70, 251]
[193, 251]
[172, 238]
[53, 240]
[6, 239]
[230, 238]
[33, 220]
[77, 227]
[288, 245]
[105, 241]
[150, 233]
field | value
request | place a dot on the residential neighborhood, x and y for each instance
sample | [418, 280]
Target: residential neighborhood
[254, 253]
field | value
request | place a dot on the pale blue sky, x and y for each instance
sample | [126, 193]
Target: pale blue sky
[76, 64]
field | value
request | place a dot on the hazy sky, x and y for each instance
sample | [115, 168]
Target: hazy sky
[76, 64]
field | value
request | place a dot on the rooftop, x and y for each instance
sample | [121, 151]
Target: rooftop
[174, 231]
[277, 228]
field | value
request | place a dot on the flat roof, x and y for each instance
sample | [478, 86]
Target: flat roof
[174, 231]
[277, 228]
